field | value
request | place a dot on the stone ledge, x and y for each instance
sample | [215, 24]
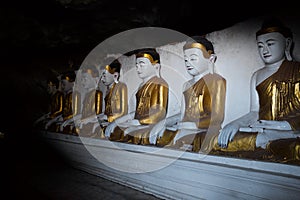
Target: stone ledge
[174, 174]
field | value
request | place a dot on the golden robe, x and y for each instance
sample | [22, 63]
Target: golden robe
[55, 109]
[56, 104]
[91, 106]
[151, 107]
[116, 101]
[71, 108]
[69, 104]
[152, 101]
[116, 105]
[279, 99]
[204, 105]
[67, 113]
[279, 95]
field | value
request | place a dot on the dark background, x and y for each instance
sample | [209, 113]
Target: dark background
[41, 36]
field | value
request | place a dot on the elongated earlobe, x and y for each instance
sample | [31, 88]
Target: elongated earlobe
[288, 49]
[116, 77]
[157, 69]
[211, 63]
[288, 55]
[213, 58]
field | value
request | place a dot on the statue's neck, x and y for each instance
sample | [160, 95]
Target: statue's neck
[199, 76]
[145, 80]
[89, 89]
[274, 66]
[69, 91]
[110, 86]
[54, 92]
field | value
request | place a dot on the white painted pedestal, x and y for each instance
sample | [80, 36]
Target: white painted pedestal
[173, 174]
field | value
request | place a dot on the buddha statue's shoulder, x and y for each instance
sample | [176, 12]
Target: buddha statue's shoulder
[121, 84]
[59, 93]
[159, 80]
[290, 70]
[214, 78]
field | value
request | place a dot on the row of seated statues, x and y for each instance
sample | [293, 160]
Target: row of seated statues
[270, 131]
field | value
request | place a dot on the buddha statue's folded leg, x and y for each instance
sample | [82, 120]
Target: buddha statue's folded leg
[53, 127]
[242, 141]
[87, 130]
[140, 136]
[145, 137]
[285, 150]
[76, 130]
[166, 139]
[41, 125]
[118, 135]
[185, 142]
[68, 129]
[198, 140]
[242, 146]
[194, 140]
[135, 137]
[99, 131]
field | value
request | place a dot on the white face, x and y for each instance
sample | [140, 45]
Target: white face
[66, 85]
[87, 81]
[144, 68]
[195, 63]
[107, 78]
[51, 88]
[271, 47]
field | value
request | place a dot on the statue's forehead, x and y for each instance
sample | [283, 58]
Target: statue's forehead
[191, 51]
[143, 59]
[268, 36]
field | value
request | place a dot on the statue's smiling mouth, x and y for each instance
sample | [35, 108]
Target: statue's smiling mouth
[267, 56]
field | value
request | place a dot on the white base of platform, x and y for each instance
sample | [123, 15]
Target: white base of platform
[173, 174]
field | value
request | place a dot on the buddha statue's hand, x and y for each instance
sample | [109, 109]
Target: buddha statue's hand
[102, 117]
[129, 123]
[47, 125]
[110, 128]
[65, 123]
[89, 120]
[131, 129]
[157, 131]
[42, 118]
[96, 125]
[52, 121]
[103, 123]
[263, 138]
[227, 134]
[272, 124]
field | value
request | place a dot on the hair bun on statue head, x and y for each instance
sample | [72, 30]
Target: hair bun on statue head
[149, 53]
[114, 66]
[92, 70]
[202, 43]
[273, 24]
[69, 76]
[53, 80]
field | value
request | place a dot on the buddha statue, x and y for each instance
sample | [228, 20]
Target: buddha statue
[90, 103]
[151, 101]
[116, 99]
[56, 102]
[273, 122]
[203, 103]
[67, 84]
